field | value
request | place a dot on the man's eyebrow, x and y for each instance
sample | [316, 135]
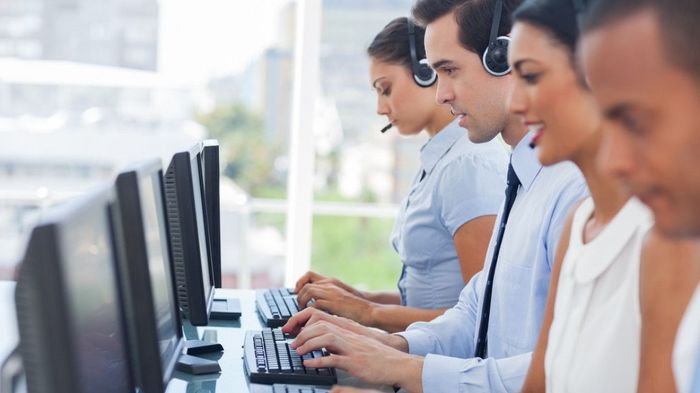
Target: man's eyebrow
[441, 63]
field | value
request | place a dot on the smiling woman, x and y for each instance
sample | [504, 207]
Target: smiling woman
[590, 337]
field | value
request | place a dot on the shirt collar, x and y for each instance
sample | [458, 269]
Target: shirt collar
[439, 145]
[525, 162]
[604, 250]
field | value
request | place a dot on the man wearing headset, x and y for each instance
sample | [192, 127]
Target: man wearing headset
[484, 343]
[650, 95]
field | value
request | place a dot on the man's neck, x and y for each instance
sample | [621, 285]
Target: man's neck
[514, 131]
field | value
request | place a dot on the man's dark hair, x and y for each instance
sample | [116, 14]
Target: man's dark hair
[677, 19]
[474, 18]
[391, 44]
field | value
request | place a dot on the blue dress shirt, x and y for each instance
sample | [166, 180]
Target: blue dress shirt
[520, 289]
[462, 181]
[695, 388]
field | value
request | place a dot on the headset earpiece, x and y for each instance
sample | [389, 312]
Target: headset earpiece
[423, 74]
[495, 57]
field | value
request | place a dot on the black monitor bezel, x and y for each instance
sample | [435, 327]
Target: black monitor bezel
[153, 376]
[46, 330]
[181, 165]
[211, 178]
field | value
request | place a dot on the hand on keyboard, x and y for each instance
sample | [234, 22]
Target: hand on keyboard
[361, 356]
[310, 316]
[337, 301]
[315, 278]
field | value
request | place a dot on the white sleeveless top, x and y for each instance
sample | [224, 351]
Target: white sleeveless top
[595, 334]
[686, 351]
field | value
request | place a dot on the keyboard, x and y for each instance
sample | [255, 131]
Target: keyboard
[276, 305]
[279, 388]
[269, 359]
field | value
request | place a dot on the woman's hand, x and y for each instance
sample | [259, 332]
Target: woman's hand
[336, 301]
[315, 278]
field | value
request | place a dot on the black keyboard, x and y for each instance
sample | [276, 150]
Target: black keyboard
[276, 305]
[269, 359]
[278, 388]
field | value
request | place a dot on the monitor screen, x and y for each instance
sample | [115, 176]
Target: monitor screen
[161, 281]
[89, 270]
[201, 225]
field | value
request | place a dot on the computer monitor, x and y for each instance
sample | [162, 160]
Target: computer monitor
[188, 235]
[69, 312]
[210, 177]
[149, 288]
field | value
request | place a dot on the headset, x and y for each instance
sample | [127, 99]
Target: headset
[580, 8]
[495, 57]
[423, 75]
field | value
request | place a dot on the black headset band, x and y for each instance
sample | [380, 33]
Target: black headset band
[580, 8]
[579, 5]
[496, 23]
[412, 45]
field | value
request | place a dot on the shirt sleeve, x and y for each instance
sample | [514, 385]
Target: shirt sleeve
[445, 334]
[447, 374]
[468, 187]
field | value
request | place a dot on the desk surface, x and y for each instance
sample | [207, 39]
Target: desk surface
[230, 334]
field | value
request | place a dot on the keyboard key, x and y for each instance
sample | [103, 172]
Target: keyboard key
[282, 307]
[291, 305]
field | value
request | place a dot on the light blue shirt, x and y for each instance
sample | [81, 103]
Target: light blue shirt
[695, 388]
[519, 294]
[462, 181]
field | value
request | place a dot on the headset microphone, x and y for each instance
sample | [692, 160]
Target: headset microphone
[386, 128]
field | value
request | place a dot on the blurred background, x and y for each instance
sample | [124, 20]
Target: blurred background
[88, 87]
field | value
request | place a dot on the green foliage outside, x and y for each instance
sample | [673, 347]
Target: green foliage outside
[247, 156]
[354, 249]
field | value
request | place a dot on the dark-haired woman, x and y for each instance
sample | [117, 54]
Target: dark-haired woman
[592, 338]
[445, 223]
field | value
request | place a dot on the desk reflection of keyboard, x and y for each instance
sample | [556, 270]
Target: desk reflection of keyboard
[268, 358]
[277, 388]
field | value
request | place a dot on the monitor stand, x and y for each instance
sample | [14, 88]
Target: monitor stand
[200, 347]
[195, 346]
[194, 365]
[225, 308]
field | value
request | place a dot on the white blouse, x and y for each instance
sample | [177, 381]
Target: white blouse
[594, 340]
[686, 350]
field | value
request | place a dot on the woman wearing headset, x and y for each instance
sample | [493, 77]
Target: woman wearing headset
[445, 222]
